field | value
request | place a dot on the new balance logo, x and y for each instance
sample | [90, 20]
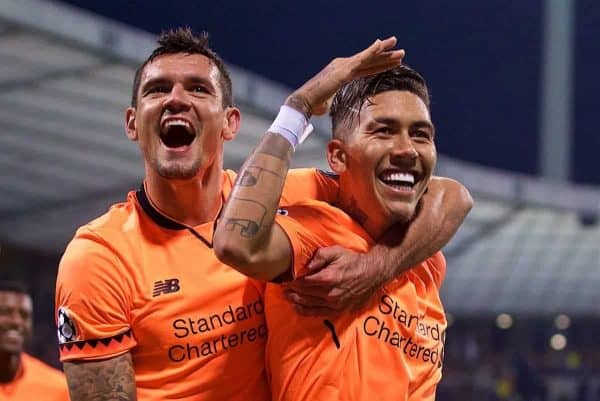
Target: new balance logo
[165, 287]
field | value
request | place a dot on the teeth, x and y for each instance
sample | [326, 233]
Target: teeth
[403, 177]
[172, 123]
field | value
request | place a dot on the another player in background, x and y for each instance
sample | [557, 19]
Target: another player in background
[144, 309]
[384, 153]
[23, 377]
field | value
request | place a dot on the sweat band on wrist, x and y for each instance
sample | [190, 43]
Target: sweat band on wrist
[292, 125]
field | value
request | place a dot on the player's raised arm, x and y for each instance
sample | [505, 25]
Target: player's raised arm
[246, 237]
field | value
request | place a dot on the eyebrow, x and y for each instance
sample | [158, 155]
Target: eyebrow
[162, 81]
[393, 121]
[424, 124]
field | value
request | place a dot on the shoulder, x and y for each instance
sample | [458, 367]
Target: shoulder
[305, 176]
[329, 222]
[309, 183]
[436, 265]
[118, 223]
[50, 376]
[96, 247]
[120, 218]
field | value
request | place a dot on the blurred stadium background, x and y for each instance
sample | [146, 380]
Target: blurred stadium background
[514, 98]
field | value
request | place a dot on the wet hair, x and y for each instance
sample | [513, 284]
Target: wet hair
[350, 98]
[184, 40]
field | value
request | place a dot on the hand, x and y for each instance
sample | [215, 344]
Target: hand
[313, 97]
[340, 280]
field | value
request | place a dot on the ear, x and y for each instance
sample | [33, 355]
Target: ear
[232, 121]
[130, 125]
[336, 156]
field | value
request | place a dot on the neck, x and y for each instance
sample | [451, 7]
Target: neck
[374, 224]
[9, 366]
[191, 201]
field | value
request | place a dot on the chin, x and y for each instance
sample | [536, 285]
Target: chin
[402, 214]
[178, 171]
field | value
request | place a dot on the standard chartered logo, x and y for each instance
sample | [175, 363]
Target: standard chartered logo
[413, 335]
[243, 324]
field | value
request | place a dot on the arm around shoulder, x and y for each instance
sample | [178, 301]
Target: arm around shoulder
[453, 197]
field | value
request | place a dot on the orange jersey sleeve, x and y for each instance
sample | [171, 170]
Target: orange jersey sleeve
[92, 313]
[437, 267]
[309, 184]
[311, 225]
[303, 184]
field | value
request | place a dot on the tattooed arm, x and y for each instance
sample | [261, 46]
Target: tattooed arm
[246, 236]
[105, 380]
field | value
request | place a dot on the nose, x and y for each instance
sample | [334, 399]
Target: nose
[12, 319]
[403, 150]
[177, 100]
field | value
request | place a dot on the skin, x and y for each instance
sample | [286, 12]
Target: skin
[184, 183]
[342, 285]
[265, 252]
[349, 278]
[395, 134]
[16, 320]
[183, 86]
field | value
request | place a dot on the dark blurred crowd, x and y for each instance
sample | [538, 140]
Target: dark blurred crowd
[486, 363]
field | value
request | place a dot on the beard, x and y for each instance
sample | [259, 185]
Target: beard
[177, 170]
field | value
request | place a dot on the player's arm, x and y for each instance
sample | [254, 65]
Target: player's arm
[343, 279]
[92, 308]
[110, 379]
[246, 236]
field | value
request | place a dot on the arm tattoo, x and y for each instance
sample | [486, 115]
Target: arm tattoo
[107, 380]
[251, 175]
[249, 217]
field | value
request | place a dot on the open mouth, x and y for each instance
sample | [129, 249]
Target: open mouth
[177, 133]
[401, 181]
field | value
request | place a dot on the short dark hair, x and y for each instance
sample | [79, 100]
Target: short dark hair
[184, 40]
[13, 286]
[350, 98]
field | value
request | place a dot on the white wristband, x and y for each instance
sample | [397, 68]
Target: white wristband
[292, 125]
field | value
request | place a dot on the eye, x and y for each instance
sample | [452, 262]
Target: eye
[200, 89]
[422, 134]
[383, 130]
[158, 89]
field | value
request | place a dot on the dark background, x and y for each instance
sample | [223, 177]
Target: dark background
[481, 58]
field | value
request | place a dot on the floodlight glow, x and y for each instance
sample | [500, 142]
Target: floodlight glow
[504, 321]
[558, 342]
[562, 322]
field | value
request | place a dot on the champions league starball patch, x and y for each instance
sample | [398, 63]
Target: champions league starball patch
[66, 327]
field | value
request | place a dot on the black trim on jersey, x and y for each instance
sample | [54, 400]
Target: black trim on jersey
[163, 220]
[94, 343]
[328, 174]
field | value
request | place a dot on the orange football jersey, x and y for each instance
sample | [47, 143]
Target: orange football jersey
[35, 381]
[135, 280]
[390, 350]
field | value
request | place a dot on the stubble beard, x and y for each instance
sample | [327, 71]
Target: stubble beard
[177, 170]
